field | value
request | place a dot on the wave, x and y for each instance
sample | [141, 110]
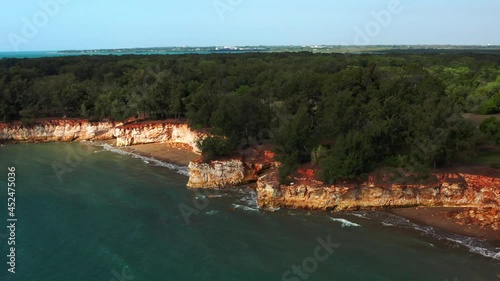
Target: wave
[360, 215]
[474, 245]
[245, 208]
[149, 160]
[345, 223]
[249, 198]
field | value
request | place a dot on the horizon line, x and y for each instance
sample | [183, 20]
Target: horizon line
[254, 46]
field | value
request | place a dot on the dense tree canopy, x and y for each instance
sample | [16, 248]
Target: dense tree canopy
[346, 113]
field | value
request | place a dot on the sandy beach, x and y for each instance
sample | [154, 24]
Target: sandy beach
[164, 152]
[439, 217]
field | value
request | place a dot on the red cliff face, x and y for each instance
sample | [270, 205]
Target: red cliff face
[66, 130]
[57, 131]
[450, 189]
[457, 189]
[442, 189]
[218, 174]
[157, 132]
[236, 171]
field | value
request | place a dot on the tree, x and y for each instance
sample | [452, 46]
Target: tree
[213, 147]
[201, 105]
[295, 142]
[490, 127]
[240, 116]
[348, 158]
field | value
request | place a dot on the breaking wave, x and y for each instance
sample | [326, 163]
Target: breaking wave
[245, 208]
[474, 245]
[148, 160]
[247, 200]
[345, 223]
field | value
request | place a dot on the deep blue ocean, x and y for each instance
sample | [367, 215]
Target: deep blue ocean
[88, 213]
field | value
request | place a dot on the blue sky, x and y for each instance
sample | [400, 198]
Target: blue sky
[26, 25]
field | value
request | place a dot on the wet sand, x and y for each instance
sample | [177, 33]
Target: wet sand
[438, 217]
[164, 152]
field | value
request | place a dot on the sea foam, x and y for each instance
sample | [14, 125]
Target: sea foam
[474, 245]
[345, 223]
[149, 160]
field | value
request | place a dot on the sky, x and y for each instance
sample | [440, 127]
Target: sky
[31, 25]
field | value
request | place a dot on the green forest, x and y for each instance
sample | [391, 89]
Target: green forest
[347, 114]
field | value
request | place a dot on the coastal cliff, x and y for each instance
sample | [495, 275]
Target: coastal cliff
[441, 189]
[230, 172]
[66, 130]
[472, 188]
[157, 132]
[257, 165]
[217, 174]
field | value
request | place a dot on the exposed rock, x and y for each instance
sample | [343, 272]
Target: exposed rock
[157, 132]
[217, 174]
[485, 218]
[453, 189]
[66, 130]
[57, 131]
[449, 190]
[235, 171]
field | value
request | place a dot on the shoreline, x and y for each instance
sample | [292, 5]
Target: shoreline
[169, 153]
[439, 217]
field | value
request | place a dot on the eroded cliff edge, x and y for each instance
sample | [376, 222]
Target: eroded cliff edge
[235, 171]
[157, 132]
[453, 189]
[257, 165]
[67, 130]
[477, 188]
[450, 189]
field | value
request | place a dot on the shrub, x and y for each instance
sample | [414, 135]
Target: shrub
[213, 147]
[490, 127]
[347, 159]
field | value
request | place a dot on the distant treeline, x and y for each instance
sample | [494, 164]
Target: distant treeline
[347, 113]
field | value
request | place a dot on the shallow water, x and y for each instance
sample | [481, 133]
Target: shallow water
[86, 213]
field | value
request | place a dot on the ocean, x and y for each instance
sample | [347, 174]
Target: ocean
[89, 213]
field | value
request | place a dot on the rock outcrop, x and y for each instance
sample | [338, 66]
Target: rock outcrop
[451, 189]
[484, 217]
[231, 172]
[64, 130]
[444, 189]
[157, 132]
[217, 174]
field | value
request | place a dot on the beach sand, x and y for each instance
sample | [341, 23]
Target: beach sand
[439, 217]
[164, 152]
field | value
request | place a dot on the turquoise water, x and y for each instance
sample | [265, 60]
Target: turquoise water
[110, 214]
